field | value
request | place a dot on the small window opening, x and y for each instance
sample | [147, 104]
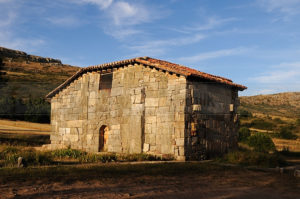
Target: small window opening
[105, 81]
[103, 137]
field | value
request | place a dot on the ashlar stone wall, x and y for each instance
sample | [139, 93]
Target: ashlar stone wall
[211, 119]
[144, 111]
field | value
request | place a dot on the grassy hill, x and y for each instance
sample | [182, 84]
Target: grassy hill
[277, 115]
[25, 80]
[24, 76]
[286, 105]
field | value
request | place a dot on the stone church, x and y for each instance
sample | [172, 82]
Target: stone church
[145, 105]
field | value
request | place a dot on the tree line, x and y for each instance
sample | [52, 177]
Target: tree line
[32, 109]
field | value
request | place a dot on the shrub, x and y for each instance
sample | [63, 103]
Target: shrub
[262, 124]
[253, 158]
[261, 142]
[244, 133]
[286, 133]
[244, 113]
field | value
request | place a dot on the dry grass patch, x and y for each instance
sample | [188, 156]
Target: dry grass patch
[19, 125]
[291, 145]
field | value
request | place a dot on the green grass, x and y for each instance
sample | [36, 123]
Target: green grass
[9, 156]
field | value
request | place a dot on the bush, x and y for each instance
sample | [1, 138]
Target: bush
[253, 158]
[262, 124]
[244, 133]
[261, 142]
[286, 133]
[244, 113]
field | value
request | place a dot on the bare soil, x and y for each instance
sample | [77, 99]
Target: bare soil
[217, 184]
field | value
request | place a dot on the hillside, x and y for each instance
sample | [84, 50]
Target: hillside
[23, 75]
[281, 104]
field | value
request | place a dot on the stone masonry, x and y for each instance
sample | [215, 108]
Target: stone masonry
[144, 108]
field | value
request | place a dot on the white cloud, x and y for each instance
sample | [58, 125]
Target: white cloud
[124, 13]
[286, 7]
[214, 54]
[158, 47]
[121, 17]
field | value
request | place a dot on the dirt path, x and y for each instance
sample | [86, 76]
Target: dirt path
[229, 183]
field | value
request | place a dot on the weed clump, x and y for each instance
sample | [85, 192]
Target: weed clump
[10, 154]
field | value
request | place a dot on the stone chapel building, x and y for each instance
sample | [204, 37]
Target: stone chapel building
[145, 105]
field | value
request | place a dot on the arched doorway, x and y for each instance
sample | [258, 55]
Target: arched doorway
[103, 137]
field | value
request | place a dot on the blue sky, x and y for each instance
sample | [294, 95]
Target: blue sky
[253, 42]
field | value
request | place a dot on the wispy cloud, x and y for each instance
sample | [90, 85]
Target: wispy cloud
[159, 47]
[210, 23]
[102, 4]
[121, 17]
[279, 78]
[214, 54]
[66, 21]
[286, 7]
[284, 72]
[9, 17]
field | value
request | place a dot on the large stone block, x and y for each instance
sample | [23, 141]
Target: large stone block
[179, 141]
[151, 102]
[150, 119]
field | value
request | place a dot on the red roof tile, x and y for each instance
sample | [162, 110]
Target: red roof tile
[156, 63]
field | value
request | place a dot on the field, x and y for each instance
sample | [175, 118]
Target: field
[24, 133]
[150, 179]
[161, 180]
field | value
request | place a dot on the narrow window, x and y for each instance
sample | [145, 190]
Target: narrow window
[105, 81]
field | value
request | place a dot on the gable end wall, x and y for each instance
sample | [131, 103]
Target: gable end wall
[144, 111]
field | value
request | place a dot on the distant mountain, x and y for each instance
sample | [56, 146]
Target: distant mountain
[281, 104]
[23, 75]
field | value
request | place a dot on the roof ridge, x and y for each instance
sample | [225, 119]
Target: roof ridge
[157, 63]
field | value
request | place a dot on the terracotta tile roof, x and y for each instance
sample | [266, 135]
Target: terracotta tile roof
[156, 63]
